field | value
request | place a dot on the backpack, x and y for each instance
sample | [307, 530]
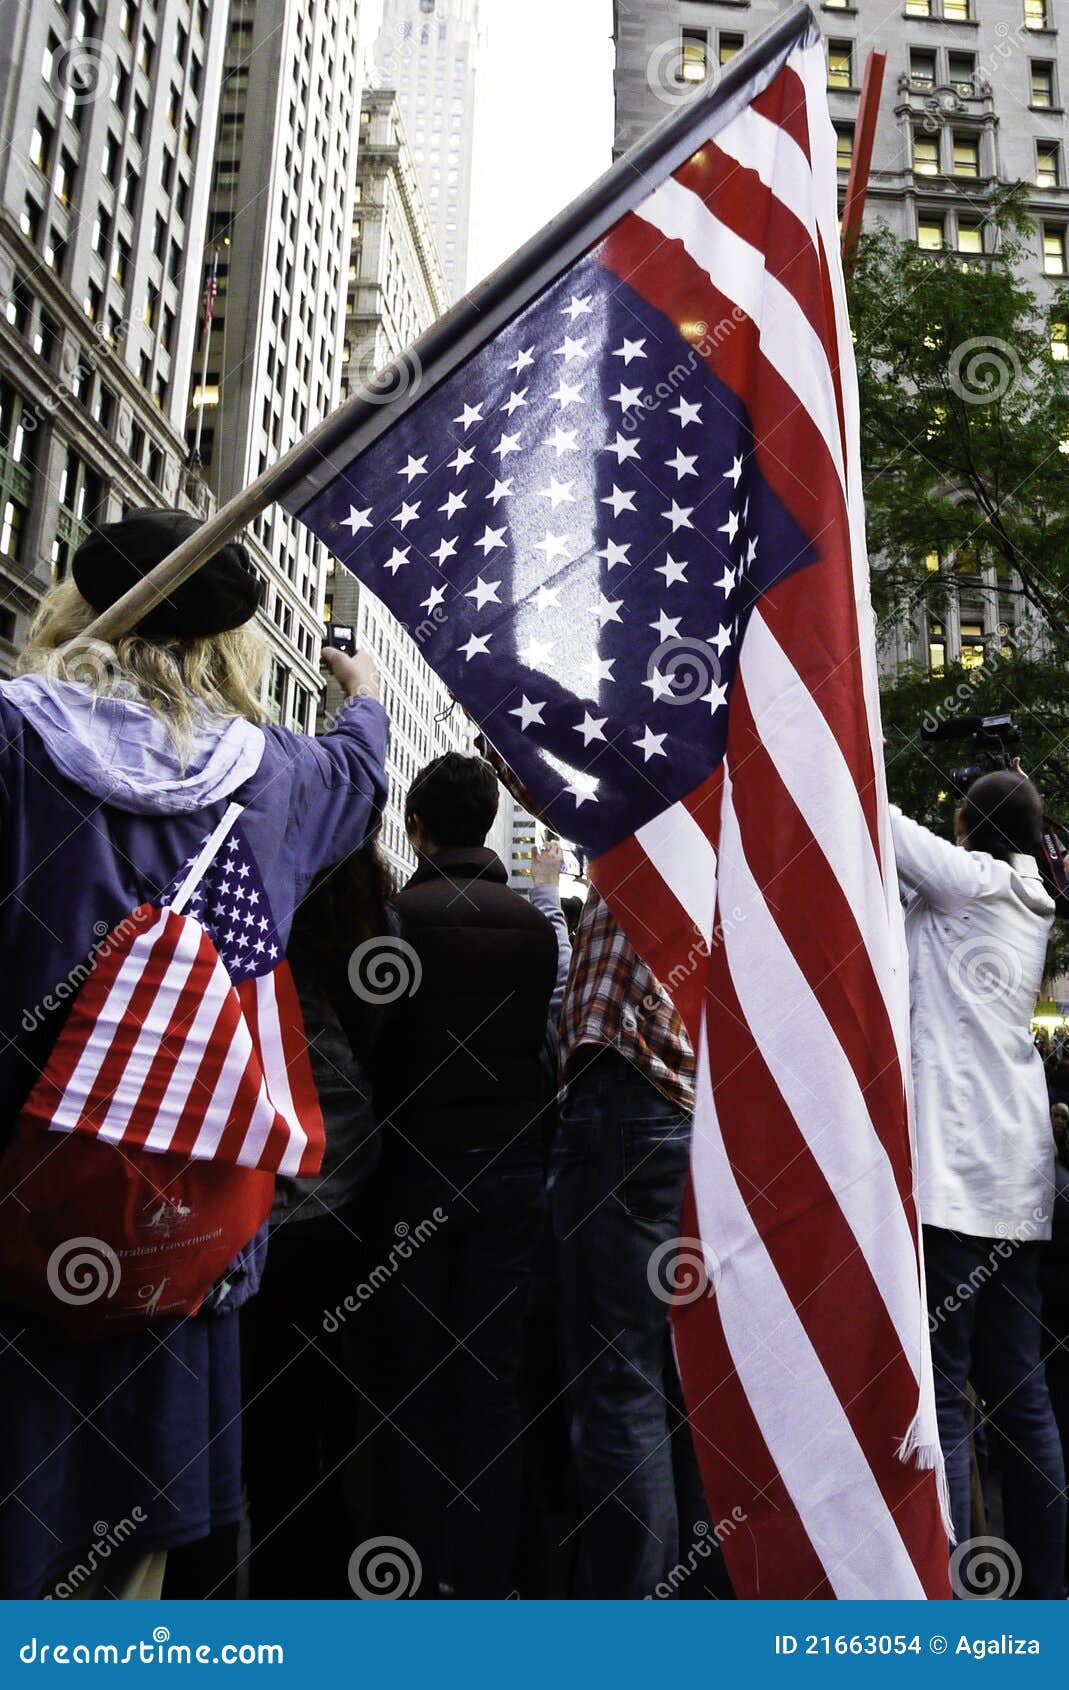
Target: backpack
[145, 1156]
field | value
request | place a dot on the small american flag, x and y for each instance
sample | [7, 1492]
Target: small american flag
[187, 1036]
[627, 532]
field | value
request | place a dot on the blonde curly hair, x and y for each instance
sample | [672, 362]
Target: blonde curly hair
[180, 679]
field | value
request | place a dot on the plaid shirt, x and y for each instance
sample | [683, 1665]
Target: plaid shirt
[612, 998]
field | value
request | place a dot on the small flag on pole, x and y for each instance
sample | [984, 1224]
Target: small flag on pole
[618, 507]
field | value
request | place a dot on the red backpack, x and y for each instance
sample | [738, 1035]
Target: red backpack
[145, 1156]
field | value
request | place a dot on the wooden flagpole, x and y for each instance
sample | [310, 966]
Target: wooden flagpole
[857, 183]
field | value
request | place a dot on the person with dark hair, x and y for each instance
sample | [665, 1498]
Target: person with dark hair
[461, 1090]
[978, 918]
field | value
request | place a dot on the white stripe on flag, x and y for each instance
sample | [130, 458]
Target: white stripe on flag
[128, 1095]
[197, 1045]
[813, 1075]
[737, 270]
[273, 1057]
[685, 859]
[217, 1113]
[801, 1419]
[812, 767]
[69, 1110]
[760, 145]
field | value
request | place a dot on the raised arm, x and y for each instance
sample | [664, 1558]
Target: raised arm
[942, 874]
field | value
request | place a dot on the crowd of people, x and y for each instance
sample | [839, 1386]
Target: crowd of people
[441, 1361]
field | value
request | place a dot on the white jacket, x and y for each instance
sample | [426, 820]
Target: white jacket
[977, 930]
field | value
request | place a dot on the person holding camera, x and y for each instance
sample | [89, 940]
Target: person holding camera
[978, 918]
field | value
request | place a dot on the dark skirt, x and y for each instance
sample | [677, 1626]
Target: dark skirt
[130, 1440]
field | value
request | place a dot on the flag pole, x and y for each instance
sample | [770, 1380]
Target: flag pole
[379, 405]
[857, 182]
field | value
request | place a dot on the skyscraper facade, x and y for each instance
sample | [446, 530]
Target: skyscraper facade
[396, 289]
[278, 236]
[428, 51]
[971, 100]
[107, 112]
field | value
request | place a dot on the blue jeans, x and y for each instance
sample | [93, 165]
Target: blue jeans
[987, 1331]
[619, 1170]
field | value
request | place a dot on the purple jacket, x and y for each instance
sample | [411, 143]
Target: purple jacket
[97, 813]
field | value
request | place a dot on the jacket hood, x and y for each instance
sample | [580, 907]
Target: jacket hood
[121, 751]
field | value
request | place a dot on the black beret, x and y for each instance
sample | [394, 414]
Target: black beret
[222, 594]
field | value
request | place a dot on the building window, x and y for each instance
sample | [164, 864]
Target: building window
[63, 185]
[1036, 15]
[1059, 342]
[972, 644]
[693, 55]
[970, 235]
[918, 8]
[957, 11]
[922, 68]
[937, 648]
[925, 154]
[1042, 75]
[840, 64]
[844, 145]
[42, 140]
[931, 233]
[728, 45]
[1053, 250]
[966, 155]
[962, 71]
[92, 302]
[11, 525]
[1048, 162]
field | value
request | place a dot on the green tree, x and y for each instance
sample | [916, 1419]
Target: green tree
[964, 418]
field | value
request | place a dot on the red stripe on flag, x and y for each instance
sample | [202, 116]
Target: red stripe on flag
[783, 103]
[155, 962]
[299, 1071]
[741, 201]
[202, 1093]
[171, 1047]
[832, 952]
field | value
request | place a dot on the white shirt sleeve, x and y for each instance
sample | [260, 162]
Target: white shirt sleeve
[942, 874]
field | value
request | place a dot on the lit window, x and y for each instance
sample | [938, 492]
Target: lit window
[958, 11]
[931, 562]
[844, 145]
[962, 69]
[972, 645]
[921, 68]
[937, 650]
[930, 234]
[926, 155]
[693, 55]
[1059, 342]
[918, 8]
[1047, 164]
[840, 64]
[1042, 84]
[970, 236]
[11, 529]
[728, 46]
[1035, 14]
[1053, 251]
[966, 155]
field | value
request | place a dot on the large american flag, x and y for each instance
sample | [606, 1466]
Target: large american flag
[186, 1035]
[627, 532]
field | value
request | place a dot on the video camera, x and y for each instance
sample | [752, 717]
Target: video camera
[990, 736]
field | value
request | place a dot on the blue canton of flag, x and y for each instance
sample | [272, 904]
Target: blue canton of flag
[574, 529]
[230, 903]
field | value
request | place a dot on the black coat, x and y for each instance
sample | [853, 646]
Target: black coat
[458, 1061]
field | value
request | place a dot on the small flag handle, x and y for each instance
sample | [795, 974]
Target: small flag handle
[205, 858]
